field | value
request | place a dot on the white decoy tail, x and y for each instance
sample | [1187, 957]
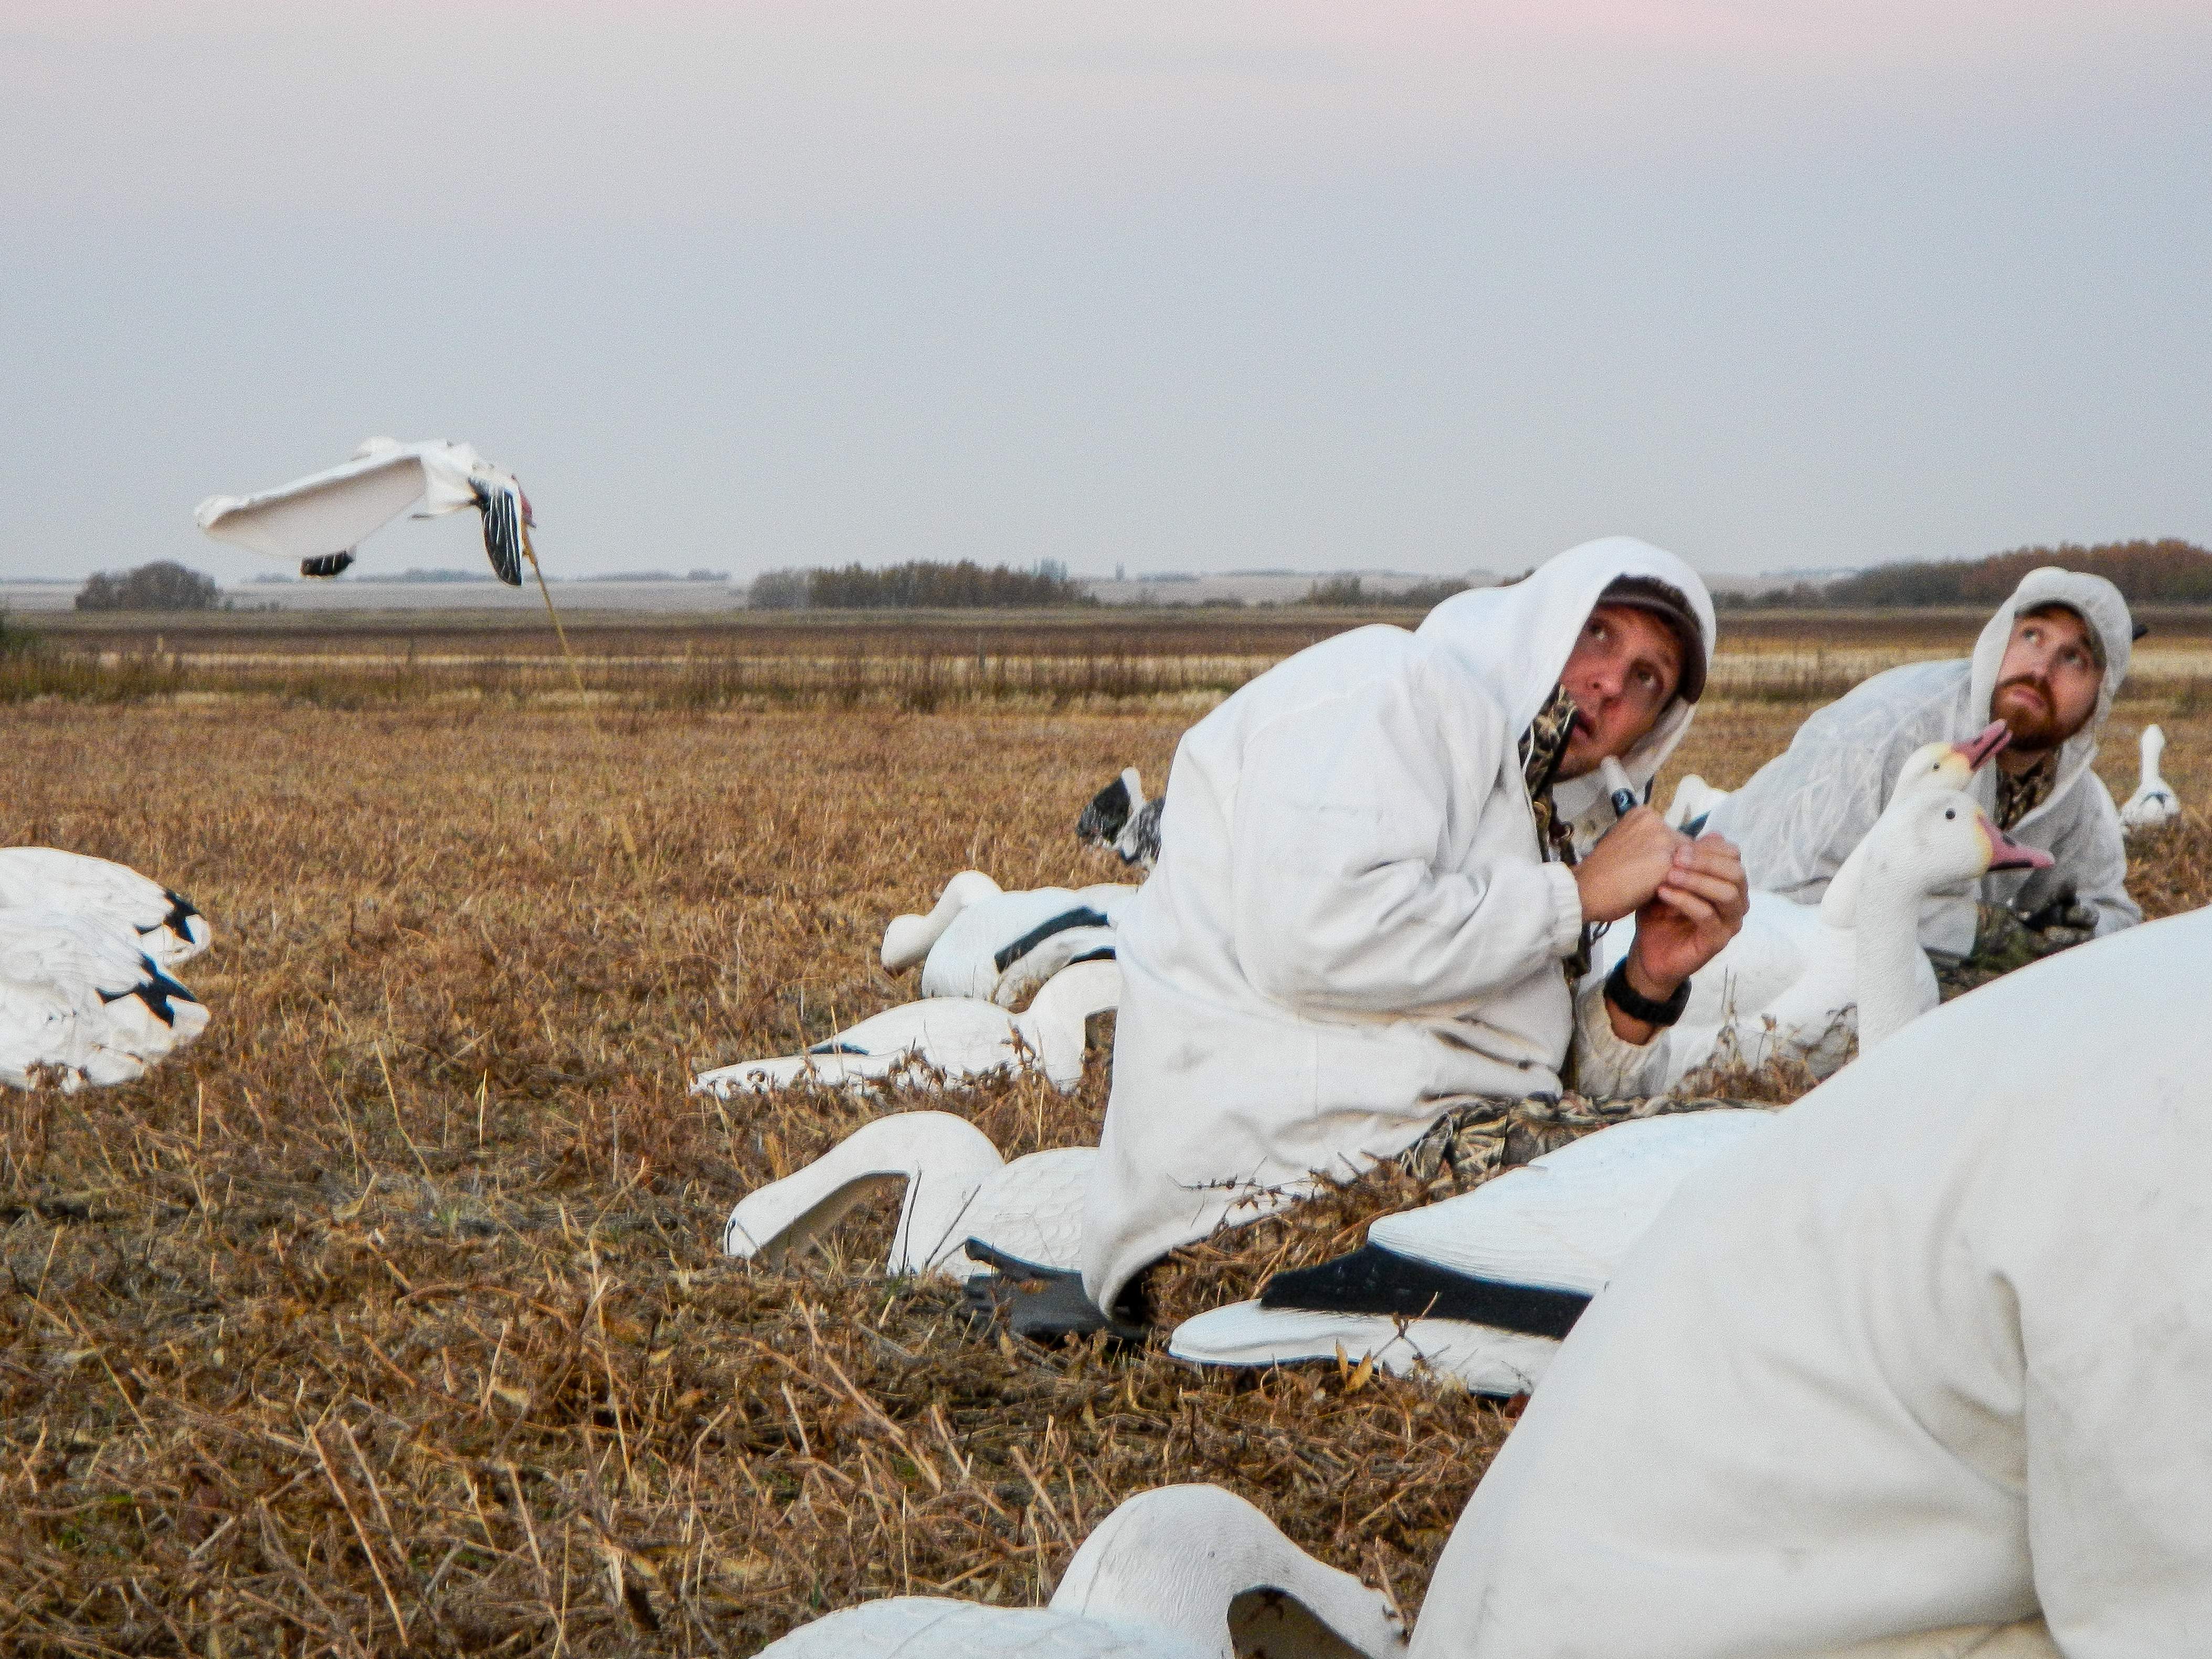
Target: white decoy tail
[169, 927]
[82, 1002]
[321, 519]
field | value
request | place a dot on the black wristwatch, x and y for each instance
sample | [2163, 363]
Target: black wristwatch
[1625, 997]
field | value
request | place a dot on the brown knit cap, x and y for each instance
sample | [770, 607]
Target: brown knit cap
[1667, 602]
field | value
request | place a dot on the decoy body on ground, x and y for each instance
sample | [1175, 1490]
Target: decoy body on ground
[963, 1037]
[1179, 1572]
[83, 1001]
[980, 941]
[1120, 821]
[957, 1188]
[320, 519]
[1481, 1287]
[2153, 802]
[168, 927]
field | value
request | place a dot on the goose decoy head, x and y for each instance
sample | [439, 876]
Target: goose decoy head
[1979, 749]
[2006, 853]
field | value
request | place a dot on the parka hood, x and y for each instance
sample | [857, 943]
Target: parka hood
[2099, 603]
[1515, 640]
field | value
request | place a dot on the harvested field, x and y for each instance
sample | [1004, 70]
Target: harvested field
[391, 1316]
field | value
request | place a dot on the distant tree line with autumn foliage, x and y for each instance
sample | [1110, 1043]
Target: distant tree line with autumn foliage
[2166, 572]
[918, 585]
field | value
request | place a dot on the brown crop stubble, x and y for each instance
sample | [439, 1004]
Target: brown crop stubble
[392, 1314]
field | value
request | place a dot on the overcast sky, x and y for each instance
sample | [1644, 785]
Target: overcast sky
[1164, 283]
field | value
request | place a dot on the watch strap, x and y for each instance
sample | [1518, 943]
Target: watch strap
[1625, 997]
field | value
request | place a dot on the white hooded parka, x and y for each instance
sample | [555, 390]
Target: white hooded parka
[1800, 816]
[1352, 927]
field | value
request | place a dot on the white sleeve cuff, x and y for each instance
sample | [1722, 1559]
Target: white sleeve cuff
[1566, 910]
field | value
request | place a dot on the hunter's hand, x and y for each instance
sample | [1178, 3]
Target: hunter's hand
[1695, 910]
[1628, 867]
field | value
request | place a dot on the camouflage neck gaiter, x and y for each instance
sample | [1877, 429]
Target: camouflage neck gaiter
[1543, 746]
[2019, 796]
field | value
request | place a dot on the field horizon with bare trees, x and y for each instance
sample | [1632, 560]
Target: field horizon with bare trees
[389, 1316]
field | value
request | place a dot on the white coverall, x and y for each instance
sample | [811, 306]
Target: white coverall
[1352, 927]
[1921, 1369]
[1802, 812]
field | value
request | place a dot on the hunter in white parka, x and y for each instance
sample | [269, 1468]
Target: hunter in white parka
[1352, 927]
[1804, 810]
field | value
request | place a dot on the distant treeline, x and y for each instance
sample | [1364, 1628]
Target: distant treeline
[1349, 591]
[163, 585]
[918, 585]
[2168, 572]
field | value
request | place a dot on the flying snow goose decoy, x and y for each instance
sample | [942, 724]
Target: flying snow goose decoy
[82, 1002]
[1780, 938]
[2153, 802]
[1866, 975]
[964, 1037]
[1120, 821]
[320, 519]
[1178, 1572]
[958, 1188]
[169, 928]
[1481, 1287]
[982, 942]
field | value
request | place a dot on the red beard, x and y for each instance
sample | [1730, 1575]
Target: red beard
[2034, 724]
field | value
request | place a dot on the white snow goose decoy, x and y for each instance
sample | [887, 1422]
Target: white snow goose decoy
[1120, 821]
[169, 928]
[982, 942]
[1179, 1572]
[963, 1037]
[958, 1188]
[320, 519]
[1780, 938]
[1481, 1287]
[82, 1002]
[1866, 975]
[1013, 1233]
[2153, 802]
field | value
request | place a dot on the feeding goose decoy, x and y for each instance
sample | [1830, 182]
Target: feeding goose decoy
[980, 941]
[170, 929]
[82, 1002]
[321, 519]
[964, 1037]
[958, 1188]
[1481, 1287]
[2153, 802]
[1179, 1572]
[1120, 821]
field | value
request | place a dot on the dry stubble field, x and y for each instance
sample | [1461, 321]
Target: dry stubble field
[390, 1318]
